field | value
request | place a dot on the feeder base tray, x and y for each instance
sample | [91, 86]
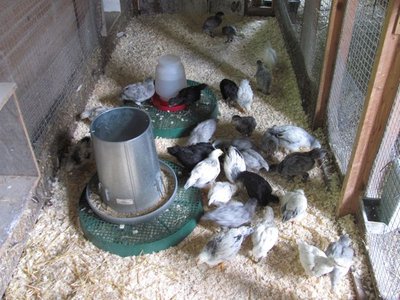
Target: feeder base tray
[164, 231]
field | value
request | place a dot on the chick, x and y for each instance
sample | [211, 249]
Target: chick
[205, 171]
[230, 31]
[92, 113]
[254, 160]
[293, 205]
[343, 254]
[265, 236]
[191, 155]
[80, 154]
[187, 95]
[229, 90]
[245, 96]
[212, 22]
[139, 92]
[270, 57]
[314, 261]
[203, 132]
[289, 138]
[233, 164]
[245, 125]
[257, 187]
[241, 143]
[263, 78]
[223, 246]
[232, 214]
[298, 163]
[221, 193]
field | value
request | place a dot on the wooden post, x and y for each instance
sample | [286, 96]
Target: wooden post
[338, 9]
[378, 104]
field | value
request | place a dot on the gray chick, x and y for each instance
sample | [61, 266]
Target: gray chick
[289, 138]
[254, 160]
[212, 22]
[293, 205]
[241, 143]
[203, 132]
[92, 113]
[314, 260]
[343, 254]
[245, 125]
[223, 246]
[234, 164]
[139, 92]
[232, 214]
[263, 78]
[244, 96]
[298, 163]
[230, 31]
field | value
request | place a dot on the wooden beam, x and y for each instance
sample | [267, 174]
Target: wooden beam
[378, 104]
[332, 44]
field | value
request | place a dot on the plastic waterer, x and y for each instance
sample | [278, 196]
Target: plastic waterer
[170, 76]
[126, 159]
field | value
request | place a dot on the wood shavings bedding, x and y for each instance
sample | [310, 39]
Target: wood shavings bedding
[60, 263]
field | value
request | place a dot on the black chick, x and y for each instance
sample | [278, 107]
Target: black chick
[189, 156]
[230, 32]
[257, 187]
[212, 22]
[229, 91]
[187, 95]
[298, 163]
[245, 125]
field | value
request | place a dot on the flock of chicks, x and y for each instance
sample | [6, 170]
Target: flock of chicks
[242, 162]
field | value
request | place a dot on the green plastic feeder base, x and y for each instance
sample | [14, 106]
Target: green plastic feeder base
[162, 232]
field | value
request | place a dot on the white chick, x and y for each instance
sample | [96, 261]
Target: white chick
[254, 160]
[223, 246]
[92, 113]
[232, 214]
[343, 254]
[290, 138]
[203, 132]
[245, 95]
[234, 164]
[314, 261]
[205, 171]
[221, 193]
[263, 78]
[139, 92]
[270, 57]
[265, 235]
[293, 205]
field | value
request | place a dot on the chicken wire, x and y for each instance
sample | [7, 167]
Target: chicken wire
[384, 187]
[360, 36]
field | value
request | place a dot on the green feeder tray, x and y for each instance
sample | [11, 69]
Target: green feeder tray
[162, 232]
[178, 124]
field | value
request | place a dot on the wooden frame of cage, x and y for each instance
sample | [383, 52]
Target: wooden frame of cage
[380, 97]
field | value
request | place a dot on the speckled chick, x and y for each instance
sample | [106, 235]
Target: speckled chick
[298, 163]
[245, 125]
[263, 78]
[288, 138]
[293, 205]
[314, 261]
[245, 96]
[230, 31]
[257, 187]
[223, 246]
[80, 154]
[342, 253]
[265, 236]
[221, 192]
[233, 164]
[232, 214]
[191, 155]
[139, 92]
[187, 95]
[254, 161]
[205, 171]
[203, 132]
[212, 22]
